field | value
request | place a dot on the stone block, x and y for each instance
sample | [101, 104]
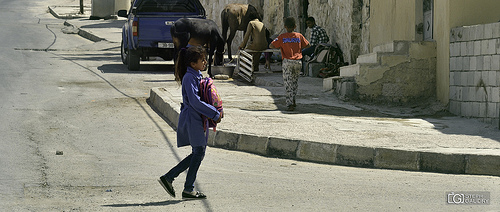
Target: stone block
[473, 63]
[455, 49]
[480, 95]
[492, 110]
[465, 109]
[477, 77]
[226, 140]
[495, 28]
[483, 164]
[488, 31]
[463, 78]
[479, 62]
[317, 152]
[456, 34]
[465, 93]
[465, 34]
[452, 78]
[492, 46]
[495, 94]
[492, 78]
[459, 63]
[479, 32]
[495, 62]
[165, 104]
[455, 107]
[456, 78]
[396, 159]
[459, 93]
[328, 83]
[484, 76]
[498, 47]
[253, 144]
[466, 63]
[453, 92]
[475, 109]
[445, 163]
[482, 109]
[355, 156]
[470, 78]
[348, 89]
[464, 50]
[487, 62]
[488, 47]
[284, 148]
[477, 48]
[314, 69]
[211, 138]
[453, 64]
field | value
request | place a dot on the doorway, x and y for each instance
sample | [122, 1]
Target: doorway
[428, 19]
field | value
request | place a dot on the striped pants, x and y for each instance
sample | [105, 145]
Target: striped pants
[291, 72]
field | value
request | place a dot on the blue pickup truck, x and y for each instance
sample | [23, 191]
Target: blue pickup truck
[147, 30]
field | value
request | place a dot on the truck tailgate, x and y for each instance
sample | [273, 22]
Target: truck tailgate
[155, 29]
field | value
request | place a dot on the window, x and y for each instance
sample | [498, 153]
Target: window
[180, 6]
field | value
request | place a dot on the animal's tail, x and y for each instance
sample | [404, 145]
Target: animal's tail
[225, 23]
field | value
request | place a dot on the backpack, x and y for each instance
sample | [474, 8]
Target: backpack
[209, 94]
[333, 58]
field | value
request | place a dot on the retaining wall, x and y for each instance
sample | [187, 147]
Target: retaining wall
[475, 72]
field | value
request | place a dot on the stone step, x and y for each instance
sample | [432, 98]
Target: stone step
[368, 58]
[350, 70]
[397, 47]
[388, 47]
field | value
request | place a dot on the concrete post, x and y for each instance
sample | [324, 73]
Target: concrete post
[107, 9]
[122, 5]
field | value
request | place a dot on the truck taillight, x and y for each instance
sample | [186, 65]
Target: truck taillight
[134, 28]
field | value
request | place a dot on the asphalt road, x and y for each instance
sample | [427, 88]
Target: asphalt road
[79, 135]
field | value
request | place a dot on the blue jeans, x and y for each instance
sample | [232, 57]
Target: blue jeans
[309, 51]
[193, 162]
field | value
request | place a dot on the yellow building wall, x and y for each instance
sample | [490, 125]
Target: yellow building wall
[391, 20]
[449, 14]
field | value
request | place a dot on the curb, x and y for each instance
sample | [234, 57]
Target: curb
[67, 16]
[337, 154]
[83, 33]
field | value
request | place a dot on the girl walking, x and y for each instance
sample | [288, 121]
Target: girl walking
[188, 67]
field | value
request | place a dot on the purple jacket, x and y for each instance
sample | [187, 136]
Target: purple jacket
[190, 127]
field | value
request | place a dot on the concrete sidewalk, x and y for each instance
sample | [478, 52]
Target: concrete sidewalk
[325, 129]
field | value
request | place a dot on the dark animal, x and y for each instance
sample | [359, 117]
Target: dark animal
[236, 17]
[198, 32]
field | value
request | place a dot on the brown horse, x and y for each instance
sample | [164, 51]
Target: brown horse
[198, 32]
[236, 17]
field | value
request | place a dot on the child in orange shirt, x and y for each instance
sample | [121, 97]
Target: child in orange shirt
[291, 44]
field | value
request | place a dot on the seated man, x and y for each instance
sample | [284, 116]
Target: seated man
[318, 36]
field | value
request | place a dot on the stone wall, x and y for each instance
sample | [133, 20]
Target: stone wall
[345, 21]
[213, 8]
[475, 72]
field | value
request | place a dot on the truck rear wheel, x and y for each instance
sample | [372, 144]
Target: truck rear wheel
[124, 54]
[133, 60]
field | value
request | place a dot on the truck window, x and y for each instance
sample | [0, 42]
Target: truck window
[182, 6]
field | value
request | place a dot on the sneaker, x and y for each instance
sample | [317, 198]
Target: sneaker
[193, 195]
[167, 186]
